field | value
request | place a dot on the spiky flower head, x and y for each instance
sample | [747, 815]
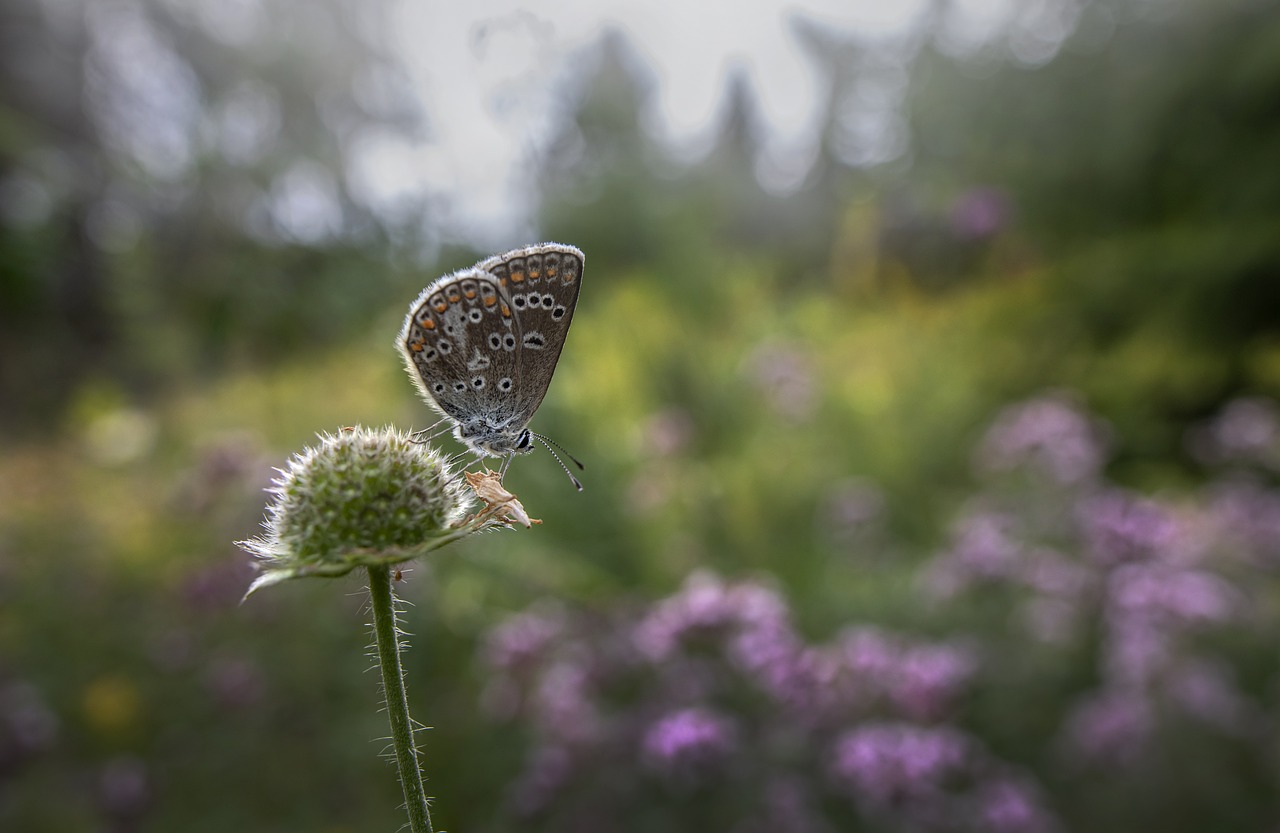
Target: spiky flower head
[363, 497]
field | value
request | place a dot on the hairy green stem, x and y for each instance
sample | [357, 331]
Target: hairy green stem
[384, 628]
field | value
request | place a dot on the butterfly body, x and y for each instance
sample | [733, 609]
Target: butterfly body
[482, 343]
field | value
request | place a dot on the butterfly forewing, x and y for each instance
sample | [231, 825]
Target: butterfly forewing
[462, 340]
[541, 285]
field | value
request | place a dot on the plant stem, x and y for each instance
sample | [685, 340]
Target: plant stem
[384, 628]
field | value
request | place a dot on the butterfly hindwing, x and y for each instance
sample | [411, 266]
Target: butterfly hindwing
[541, 284]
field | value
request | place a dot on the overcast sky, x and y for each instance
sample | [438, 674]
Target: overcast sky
[487, 71]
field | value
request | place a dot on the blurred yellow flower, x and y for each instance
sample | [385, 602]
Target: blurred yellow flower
[111, 704]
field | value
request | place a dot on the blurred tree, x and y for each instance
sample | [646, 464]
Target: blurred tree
[170, 172]
[1140, 160]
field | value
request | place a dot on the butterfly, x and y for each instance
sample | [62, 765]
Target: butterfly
[482, 343]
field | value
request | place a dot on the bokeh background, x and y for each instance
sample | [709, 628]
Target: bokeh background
[925, 370]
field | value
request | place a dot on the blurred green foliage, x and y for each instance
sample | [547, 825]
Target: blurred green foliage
[1107, 222]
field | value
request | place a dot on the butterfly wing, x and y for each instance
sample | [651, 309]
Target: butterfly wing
[540, 283]
[461, 342]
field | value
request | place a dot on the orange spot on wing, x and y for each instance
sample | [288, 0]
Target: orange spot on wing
[517, 277]
[470, 293]
[428, 324]
[415, 346]
[506, 311]
[551, 271]
[490, 300]
[441, 307]
[453, 299]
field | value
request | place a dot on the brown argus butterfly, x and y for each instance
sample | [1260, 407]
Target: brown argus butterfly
[482, 343]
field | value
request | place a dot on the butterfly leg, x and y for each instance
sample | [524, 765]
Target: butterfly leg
[425, 435]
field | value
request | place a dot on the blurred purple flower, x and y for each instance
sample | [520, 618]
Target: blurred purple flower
[219, 586]
[1136, 650]
[788, 805]
[27, 725]
[1053, 574]
[1246, 514]
[1205, 689]
[232, 464]
[172, 650]
[1170, 594]
[1245, 431]
[1050, 435]
[888, 763]
[1050, 619]
[124, 788]
[815, 687]
[919, 680]
[688, 741]
[770, 652]
[700, 605]
[984, 549]
[522, 639]
[928, 680]
[850, 509]
[653, 487]
[1110, 727]
[546, 772]
[869, 652]
[1009, 805]
[235, 682]
[564, 703]
[725, 643]
[705, 604]
[785, 374]
[1119, 527]
[667, 433]
[980, 213]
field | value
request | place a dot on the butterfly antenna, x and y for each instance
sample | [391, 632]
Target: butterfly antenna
[576, 483]
[549, 441]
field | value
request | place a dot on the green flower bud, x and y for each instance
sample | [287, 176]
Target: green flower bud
[362, 498]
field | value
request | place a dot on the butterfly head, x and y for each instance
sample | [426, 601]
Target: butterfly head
[489, 440]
